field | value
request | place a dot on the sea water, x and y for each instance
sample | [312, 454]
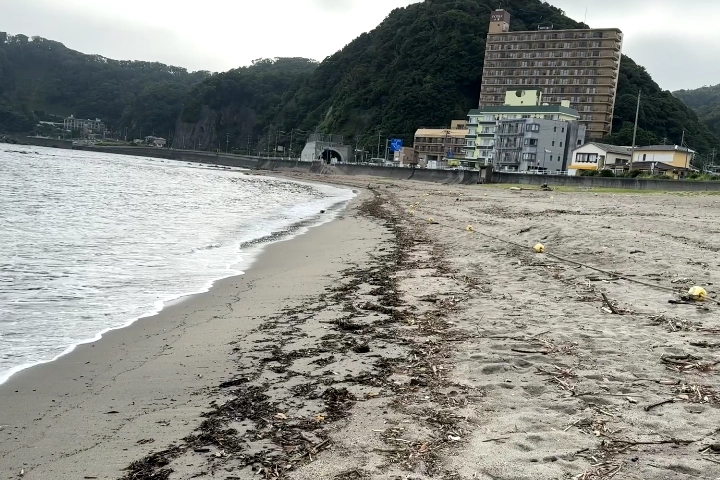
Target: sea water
[90, 242]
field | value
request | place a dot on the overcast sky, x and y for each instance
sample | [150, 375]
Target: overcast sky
[678, 42]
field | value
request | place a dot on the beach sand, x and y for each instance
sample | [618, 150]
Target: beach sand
[93, 412]
[383, 345]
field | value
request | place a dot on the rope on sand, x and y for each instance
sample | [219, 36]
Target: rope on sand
[574, 262]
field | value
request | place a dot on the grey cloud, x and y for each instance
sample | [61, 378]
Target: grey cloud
[106, 36]
[676, 63]
[335, 5]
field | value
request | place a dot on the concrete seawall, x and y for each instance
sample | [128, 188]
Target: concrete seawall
[43, 142]
[465, 177]
[606, 182]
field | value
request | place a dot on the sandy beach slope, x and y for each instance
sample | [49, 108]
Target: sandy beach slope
[93, 412]
[388, 346]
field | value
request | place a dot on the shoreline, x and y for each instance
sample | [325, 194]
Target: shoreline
[248, 252]
[71, 389]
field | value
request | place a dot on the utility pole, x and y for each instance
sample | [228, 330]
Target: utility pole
[687, 152]
[276, 142]
[248, 146]
[227, 142]
[378, 149]
[637, 115]
[292, 132]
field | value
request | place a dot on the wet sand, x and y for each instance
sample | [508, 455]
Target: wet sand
[93, 412]
[383, 345]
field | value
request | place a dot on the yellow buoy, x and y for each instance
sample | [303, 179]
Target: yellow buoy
[470, 228]
[698, 293]
[539, 248]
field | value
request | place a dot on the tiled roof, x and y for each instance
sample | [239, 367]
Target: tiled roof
[664, 148]
[620, 150]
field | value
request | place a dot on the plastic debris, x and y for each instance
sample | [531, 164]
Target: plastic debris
[431, 220]
[539, 248]
[697, 293]
[470, 228]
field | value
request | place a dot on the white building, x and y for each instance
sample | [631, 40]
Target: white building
[597, 156]
[156, 141]
[72, 123]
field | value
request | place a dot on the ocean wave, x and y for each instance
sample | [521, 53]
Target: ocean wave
[113, 239]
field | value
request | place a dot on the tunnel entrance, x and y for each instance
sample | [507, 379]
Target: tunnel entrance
[330, 156]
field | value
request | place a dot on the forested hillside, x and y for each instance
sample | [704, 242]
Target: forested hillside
[39, 75]
[706, 102]
[241, 103]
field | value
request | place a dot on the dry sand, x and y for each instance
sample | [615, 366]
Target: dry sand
[436, 352]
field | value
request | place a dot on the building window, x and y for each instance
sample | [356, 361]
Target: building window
[561, 144]
[563, 130]
[644, 157]
[533, 127]
[529, 156]
[586, 158]
[531, 142]
[553, 143]
[554, 129]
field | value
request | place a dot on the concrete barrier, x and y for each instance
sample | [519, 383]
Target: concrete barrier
[465, 177]
[43, 142]
[606, 182]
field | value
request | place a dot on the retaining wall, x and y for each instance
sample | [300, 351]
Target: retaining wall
[606, 182]
[43, 142]
[466, 177]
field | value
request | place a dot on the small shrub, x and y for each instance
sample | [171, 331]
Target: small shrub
[606, 173]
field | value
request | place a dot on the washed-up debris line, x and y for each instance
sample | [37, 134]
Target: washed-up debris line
[270, 428]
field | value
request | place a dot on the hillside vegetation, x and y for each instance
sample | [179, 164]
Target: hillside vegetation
[39, 75]
[706, 103]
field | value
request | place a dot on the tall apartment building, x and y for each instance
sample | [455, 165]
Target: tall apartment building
[581, 66]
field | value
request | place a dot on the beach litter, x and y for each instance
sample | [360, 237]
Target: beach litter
[539, 248]
[697, 293]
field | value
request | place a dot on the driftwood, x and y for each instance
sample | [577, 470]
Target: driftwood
[664, 402]
[610, 305]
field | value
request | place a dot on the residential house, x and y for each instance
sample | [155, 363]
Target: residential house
[680, 157]
[155, 141]
[597, 156]
[671, 160]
